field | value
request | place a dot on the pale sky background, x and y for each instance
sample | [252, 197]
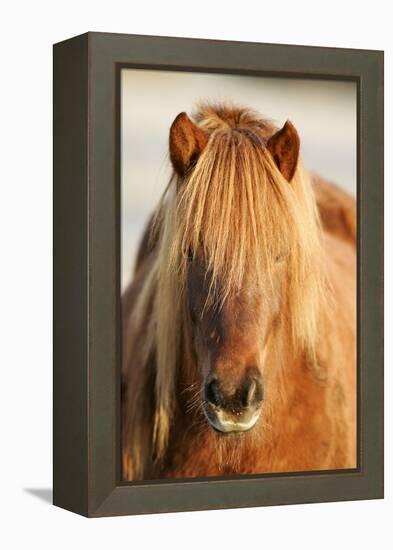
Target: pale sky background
[324, 113]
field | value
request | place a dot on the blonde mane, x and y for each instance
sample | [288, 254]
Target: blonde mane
[237, 208]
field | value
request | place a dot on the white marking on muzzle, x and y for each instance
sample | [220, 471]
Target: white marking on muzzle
[225, 425]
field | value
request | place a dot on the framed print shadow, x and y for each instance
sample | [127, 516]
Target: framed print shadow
[218, 274]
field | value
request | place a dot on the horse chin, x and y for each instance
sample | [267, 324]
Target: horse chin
[222, 424]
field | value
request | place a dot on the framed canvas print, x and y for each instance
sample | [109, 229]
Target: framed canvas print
[218, 274]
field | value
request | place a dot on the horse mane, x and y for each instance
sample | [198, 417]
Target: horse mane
[237, 208]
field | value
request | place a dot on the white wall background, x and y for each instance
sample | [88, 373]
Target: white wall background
[324, 113]
[27, 520]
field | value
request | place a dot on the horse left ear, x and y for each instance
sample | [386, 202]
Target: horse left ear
[186, 143]
[284, 147]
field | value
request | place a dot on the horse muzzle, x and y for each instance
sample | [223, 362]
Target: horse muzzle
[231, 410]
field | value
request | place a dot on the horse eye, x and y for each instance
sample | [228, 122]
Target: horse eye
[214, 336]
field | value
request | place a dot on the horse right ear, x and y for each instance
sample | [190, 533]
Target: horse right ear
[284, 147]
[186, 143]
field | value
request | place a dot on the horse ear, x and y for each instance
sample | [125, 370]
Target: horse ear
[186, 143]
[284, 147]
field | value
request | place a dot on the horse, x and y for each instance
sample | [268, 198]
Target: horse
[238, 326]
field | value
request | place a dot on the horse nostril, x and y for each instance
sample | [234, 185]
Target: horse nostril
[253, 393]
[212, 393]
[249, 393]
[248, 396]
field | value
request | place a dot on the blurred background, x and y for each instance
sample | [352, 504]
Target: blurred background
[324, 113]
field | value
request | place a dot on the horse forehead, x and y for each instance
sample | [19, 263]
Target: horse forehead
[199, 276]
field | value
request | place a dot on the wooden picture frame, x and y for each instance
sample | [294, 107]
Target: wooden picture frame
[86, 273]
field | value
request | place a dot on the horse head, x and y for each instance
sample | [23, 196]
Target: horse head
[235, 267]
